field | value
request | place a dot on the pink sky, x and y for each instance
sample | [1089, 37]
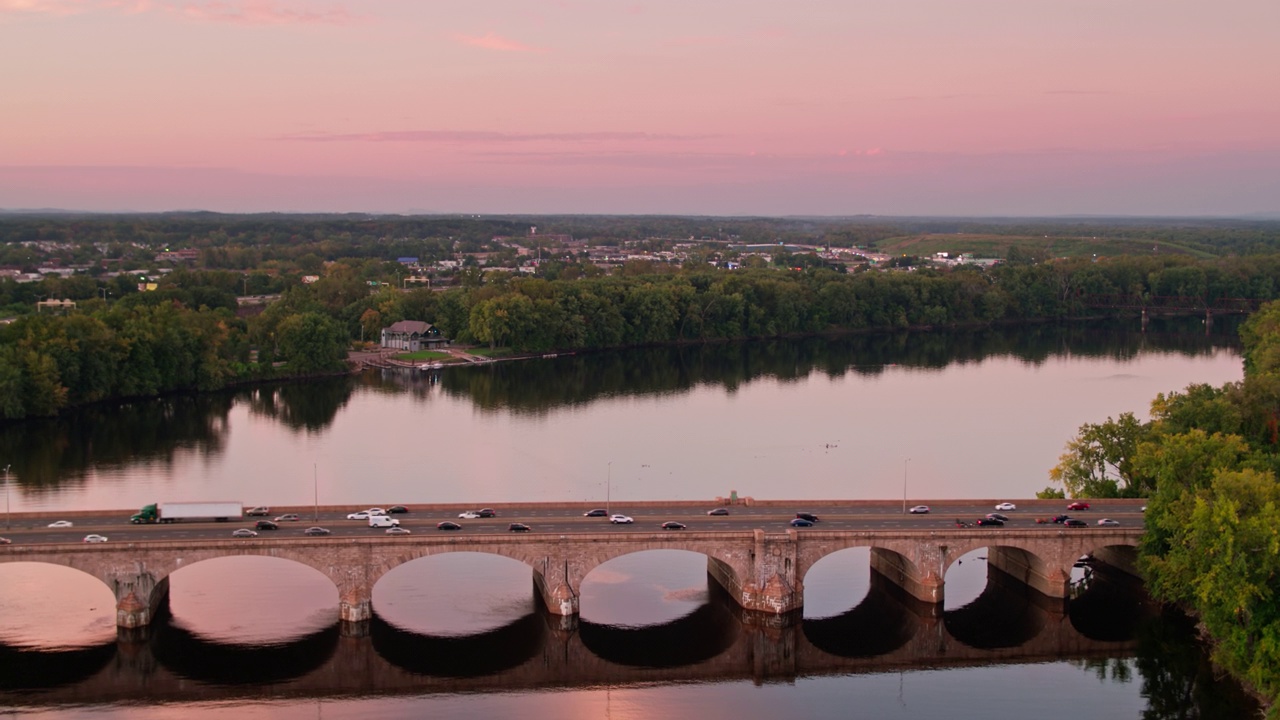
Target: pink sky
[666, 106]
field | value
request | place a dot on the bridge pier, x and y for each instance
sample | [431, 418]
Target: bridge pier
[768, 582]
[896, 568]
[558, 584]
[1047, 578]
[138, 597]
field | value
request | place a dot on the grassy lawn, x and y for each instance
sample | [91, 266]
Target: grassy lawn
[424, 355]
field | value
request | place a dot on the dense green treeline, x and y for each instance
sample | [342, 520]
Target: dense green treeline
[186, 337]
[150, 346]
[1209, 460]
[536, 315]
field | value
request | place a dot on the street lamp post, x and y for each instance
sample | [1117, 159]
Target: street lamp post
[904, 485]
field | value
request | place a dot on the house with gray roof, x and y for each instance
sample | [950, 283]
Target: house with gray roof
[412, 335]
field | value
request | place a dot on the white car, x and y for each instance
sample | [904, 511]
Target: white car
[620, 519]
[362, 515]
[376, 511]
[469, 515]
[1108, 521]
[1006, 506]
[95, 538]
[60, 524]
[920, 510]
[397, 530]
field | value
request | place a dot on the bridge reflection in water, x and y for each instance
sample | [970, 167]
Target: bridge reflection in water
[888, 631]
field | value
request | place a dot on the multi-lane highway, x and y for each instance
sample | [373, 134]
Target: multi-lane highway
[552, 518]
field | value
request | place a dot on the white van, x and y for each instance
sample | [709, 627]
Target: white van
[383, 521]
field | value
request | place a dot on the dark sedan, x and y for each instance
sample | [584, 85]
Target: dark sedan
[316, 531]
[265, 525]
[1072, 522]
[397, 510]
[718, 511]
[447, 525]
[989, 522]
[487, 512]
[807, 516]
[518, 527]
[598, 512]
[998, 516]
[672, 525]
[801, 522]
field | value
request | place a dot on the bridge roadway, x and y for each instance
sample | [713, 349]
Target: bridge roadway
[773, 515]
[752, 553]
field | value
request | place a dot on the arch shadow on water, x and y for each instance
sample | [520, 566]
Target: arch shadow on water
[23, 669]
[711, 629]
[188, 655]
[461, 656]
[884, 621]
[1111, 608]
[1007, 614]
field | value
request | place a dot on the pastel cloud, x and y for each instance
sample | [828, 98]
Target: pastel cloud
[246, 12]
[264, 12]
[484, 137]
[494, 41]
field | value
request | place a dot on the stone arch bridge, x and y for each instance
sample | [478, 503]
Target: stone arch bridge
[763, 572]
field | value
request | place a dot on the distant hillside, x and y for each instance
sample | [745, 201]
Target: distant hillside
[998, 246]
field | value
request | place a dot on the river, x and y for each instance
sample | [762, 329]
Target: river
[980, 414]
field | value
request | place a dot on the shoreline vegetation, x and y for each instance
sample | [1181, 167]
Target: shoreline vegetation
[1208, 460]
[151, 343]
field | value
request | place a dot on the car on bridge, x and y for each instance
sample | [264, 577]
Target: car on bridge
[288, 517]
[1072, 522]
[447, 525]
[518, 527]
[5, 541]
[718, 511]
[919, 510]
[801, 522]
[989, 522]
[376, 511]
[60, 524]
[469, 515]
[95, 538]
[487, 512]
[673, 525]
[1006, 507]
[397, 510]
[361, 515]
[260, 511]
[316, 531]
[397, 530]
[265, 525]
[621, 519]
[807, 516]
[1078, 506]
[1108, 521]
[243, 532]
[597, 512]
[998, 516]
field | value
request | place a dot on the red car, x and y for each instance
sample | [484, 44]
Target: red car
[1078, 506]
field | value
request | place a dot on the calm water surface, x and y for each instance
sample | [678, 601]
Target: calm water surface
[978, 414]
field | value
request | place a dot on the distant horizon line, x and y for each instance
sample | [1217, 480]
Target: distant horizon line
[1253, 216]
